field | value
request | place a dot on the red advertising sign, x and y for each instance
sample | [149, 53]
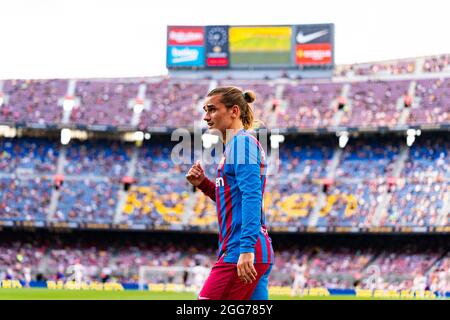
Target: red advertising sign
[186, 36]
[217, 62]
[314, 54]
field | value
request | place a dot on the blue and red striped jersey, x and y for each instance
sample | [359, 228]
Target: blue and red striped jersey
[239, 192]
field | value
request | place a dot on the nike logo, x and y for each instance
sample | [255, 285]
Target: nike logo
[203, 298]
[301, 38]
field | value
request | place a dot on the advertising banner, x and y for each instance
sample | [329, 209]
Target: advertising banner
[243, 47]
[185, 36]
[260, 45]
[314, 54]
[185, 56]
[216, 39]
[314, 44]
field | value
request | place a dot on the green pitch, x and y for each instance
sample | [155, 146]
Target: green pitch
[46, 294]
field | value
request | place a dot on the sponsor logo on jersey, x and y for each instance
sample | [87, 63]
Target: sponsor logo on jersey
[219, 182]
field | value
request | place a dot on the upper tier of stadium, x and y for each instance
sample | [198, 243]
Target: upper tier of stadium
[410, 92]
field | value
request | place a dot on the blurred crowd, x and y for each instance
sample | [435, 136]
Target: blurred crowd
[405, 66]
[385, 68]
[177, 103]
[335, 266]
[312, 186]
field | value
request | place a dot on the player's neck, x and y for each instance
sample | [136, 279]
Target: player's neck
[231, 132]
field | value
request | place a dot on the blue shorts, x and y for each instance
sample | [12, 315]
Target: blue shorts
[262, 288]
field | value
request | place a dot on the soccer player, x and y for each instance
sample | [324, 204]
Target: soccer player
[442, 282]
[200, 273]
[27, 276]
[245, 249]
[374, 281]
[299, 271]
[419, 285]
[77, 271]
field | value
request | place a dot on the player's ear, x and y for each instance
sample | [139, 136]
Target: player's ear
[235, 112]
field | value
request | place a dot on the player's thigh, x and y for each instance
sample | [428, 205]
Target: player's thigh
[223, 283]
[240, 290]
[261, 291]
[218, 281]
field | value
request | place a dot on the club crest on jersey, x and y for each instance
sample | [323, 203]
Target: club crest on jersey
[219, 182]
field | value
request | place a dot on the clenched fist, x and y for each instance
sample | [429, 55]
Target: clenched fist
[196, 174]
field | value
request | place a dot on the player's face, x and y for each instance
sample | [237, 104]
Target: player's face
[217, 116]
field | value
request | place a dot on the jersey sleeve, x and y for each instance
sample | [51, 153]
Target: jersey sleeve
[247, 161]
[208, 188]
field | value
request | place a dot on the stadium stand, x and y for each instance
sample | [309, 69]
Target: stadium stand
[374, 103]
[28, 155]
[174, 103]
[433, 96]
[386, 68]
[103, 103]
[436, 64]
[296, 195]
[97, 158]
[374, 181]
[309, 105]
[86, 201]
[342, 264]
[24, 199]
[33, 101]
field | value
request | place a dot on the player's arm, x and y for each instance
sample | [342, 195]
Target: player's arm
[247, 163]
[208, 188]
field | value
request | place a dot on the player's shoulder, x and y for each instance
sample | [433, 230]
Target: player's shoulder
[246, 137]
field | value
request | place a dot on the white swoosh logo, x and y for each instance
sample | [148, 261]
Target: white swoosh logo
[301, 38]
[203, 298]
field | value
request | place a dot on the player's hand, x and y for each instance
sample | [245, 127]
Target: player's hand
[196, 174]
[245, 269]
